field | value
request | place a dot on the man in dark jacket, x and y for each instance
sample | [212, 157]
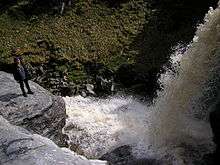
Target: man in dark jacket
[21, 76]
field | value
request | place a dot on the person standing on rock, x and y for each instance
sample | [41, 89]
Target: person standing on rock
[21, 75]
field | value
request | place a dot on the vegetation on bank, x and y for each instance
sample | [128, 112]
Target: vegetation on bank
[112, 33]
[86, 32]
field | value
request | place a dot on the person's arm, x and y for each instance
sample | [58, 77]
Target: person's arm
[15, 74]
[27, 73]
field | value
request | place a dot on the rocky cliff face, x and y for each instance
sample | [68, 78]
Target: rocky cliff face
[41, 113]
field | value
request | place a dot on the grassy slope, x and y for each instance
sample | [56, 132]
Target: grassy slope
[86, 32]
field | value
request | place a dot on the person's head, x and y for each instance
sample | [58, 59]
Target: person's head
[17, 60]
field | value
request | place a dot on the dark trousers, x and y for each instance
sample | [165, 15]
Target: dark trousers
[25, 81]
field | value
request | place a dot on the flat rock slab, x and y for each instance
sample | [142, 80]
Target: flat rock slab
[19, 147]
[14, 107]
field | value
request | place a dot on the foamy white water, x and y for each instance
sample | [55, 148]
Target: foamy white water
[175, 127]
[105, 124]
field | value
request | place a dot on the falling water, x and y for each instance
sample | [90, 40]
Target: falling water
[175, 127]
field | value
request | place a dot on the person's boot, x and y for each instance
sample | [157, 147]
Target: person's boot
[30, 92]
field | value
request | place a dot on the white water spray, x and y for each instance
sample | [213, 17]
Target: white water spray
[168, 129]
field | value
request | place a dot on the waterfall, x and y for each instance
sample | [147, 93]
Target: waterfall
[175, 127]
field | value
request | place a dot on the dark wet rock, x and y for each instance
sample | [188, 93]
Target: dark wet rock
[20, 147]
[127, 75]
[138, 79]
[104, 85]
[123, 156]
[67, 91]
[41, 113]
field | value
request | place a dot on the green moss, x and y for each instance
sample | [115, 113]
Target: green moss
[88, 35]
[86, 32]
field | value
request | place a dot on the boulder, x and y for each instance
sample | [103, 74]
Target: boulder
[123, 156]
[41, 113]
[20, 147]
[90, 89]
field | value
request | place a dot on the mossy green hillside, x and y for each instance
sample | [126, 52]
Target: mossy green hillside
[86, 32]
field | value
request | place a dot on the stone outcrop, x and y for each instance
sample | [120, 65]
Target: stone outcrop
[38, 114]
[20, 147]
[41, 113]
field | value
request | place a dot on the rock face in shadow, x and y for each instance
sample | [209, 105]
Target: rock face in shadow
[20, 147]
[41, 113]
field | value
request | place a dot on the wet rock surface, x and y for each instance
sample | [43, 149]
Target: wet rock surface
[20, 147]
[41, 113]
